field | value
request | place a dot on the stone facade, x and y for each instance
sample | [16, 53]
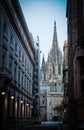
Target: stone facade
[65, 79]
[75, 24]
[53, 99]
[16, 67]
[36, 83]
[51, 76]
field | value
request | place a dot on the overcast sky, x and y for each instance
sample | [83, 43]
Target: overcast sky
[40, 16]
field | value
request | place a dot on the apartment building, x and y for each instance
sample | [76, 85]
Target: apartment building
[17, 64]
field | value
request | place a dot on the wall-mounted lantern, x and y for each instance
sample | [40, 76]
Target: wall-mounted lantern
[12, 97]
[21, 101]
[27, 104]
[3, 92]
[31, 106]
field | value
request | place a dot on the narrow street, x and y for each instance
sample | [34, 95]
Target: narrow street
[50, 126]
[41, 64]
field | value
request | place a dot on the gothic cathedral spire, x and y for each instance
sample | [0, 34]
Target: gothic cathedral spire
[43, 63]
[55, 44]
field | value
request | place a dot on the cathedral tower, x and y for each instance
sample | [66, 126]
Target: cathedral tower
[55, 44]
[56, 62]
[51, 79]
[54, 52]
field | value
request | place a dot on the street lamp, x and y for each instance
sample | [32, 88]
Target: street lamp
[3, 93]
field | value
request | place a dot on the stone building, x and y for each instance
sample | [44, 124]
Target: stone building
[17, 65]
[75, 25]
[51, 78]
[44, 88]
[36, 87]
[65, 79]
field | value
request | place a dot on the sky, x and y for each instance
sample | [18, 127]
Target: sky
[40, 16]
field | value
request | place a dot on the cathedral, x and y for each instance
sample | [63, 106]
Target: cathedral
[51, 89]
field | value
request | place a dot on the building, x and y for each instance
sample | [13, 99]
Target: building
[44, 88]
[75, 24]
[51, 77]
[43, 102]
[17, 65]
[65, 80]
[36, 88]
[54, 99]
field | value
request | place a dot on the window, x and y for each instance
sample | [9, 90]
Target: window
[19, 52]
[5, 29]
[55, 84]
[55, 87]
[27, 69]
[15, 46]
[25, 62]
[27, 85]
[59, 69]
[53, 70]
[10, 65]
[23, 58]
[22, 79]
[5, 32]
[15, 71]
[43, 101]
[19, 76]
[11, 39]
[66, 76]
[3, 59]
[50, 103]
